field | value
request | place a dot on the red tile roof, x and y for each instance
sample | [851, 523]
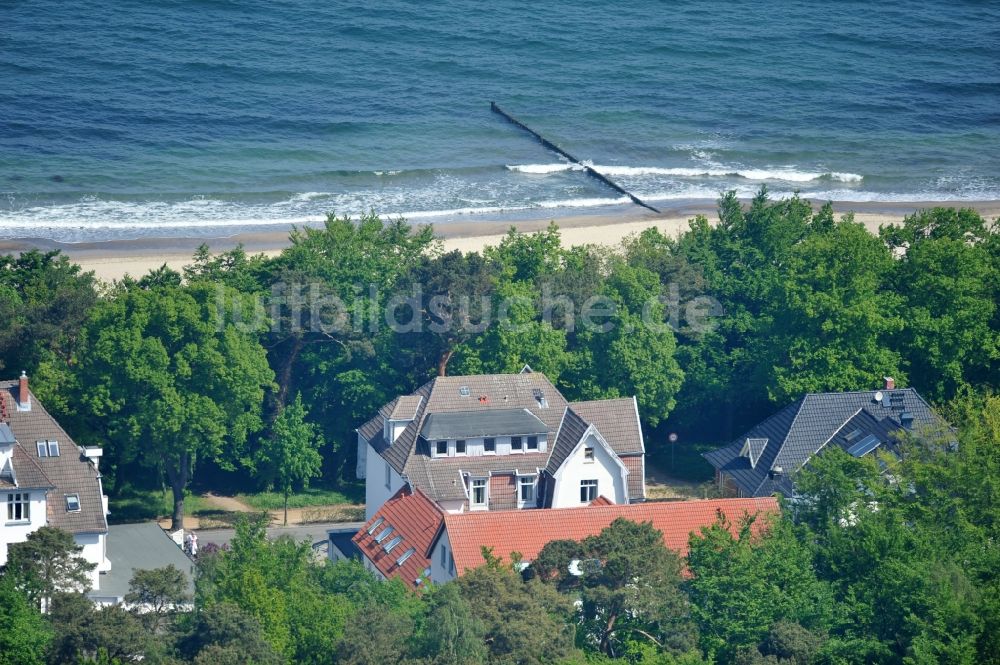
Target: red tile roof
[411, 515]
[527, 531]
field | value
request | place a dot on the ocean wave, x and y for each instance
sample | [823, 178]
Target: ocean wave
[541, 169]
[786, 174]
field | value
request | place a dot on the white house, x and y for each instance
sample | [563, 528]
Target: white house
[502, 442]
[46, 479]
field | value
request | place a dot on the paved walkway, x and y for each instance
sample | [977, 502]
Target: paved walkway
[314, 533]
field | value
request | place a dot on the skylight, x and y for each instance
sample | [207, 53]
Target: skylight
[73, 503]
[376, 524]
[382, 536]
[864, 446]
[464, 391]
[388, 547]
[404, 556]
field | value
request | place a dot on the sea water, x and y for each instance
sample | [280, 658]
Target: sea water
[133, 119]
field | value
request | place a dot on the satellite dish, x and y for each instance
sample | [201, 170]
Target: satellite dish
[673, 437]
[878, 395]
[574, 568]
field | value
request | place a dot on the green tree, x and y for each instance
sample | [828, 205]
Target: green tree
[451, 635]
[290, 456]
[160, 592]
[834, 318]
[224, 634]
[169, 376]
[524, 622]
[24, 634]
[949, 277]
[742, 585]
[47, 562]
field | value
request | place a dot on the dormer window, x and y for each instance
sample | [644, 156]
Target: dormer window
[72, 503]
[532, 443]
[441, 447]
[489, 445]
[460, 447]
[516, 444]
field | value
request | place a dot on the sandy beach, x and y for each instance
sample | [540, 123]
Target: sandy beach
[114, 259]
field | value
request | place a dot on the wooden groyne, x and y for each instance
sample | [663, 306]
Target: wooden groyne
[589, 171]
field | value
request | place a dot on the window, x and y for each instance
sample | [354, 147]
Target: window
[388, 547]
[526, 489]
[19, 507]
[588, 491]
[441, 447]
[388, 476]
[460, 447]
[404, 556]
[588, 454]
[382, 536]
[478, 492]
[376, 524]
[444, 556]
[532, 443]
[489, 445]
[516, 443]
[53, 449]
[73, 503]
[451, 565]
[43, 449]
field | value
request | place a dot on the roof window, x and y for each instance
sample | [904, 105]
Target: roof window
[464, 391]
[389, 546]
[72, 503]
[382, 536]
[404, 556]
[376, 524]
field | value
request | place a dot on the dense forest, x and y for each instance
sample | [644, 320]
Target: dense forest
[712, 331]
[242, 366]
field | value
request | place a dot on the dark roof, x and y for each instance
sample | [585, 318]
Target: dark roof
[570, 432]
[413, 517]
[68, 473]
[473, 424]
[617, 420]
[133, 547]
[803, 428]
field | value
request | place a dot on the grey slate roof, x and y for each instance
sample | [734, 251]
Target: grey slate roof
[801, 429]
[472, 424]
[756, 447]
[572, 430]
[68, 473]
[133, 547]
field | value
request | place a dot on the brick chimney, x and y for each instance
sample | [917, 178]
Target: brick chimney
[890, 383]
[23, 398]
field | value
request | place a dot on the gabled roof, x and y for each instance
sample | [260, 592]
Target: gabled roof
[68, 473]
[454, 407]
[571, 430]
[527, 531]
[411, 516]
[803, 428]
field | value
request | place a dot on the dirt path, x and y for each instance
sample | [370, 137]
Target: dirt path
[227, 503]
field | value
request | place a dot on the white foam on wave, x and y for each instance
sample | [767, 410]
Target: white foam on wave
[542, 169]
[786, 174]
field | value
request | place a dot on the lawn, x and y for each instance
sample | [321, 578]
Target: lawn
[140, 505]
[686, 462]
[304, 499]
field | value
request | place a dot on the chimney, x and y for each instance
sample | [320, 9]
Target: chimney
[777, 472]
[890, 383]
[23, 399]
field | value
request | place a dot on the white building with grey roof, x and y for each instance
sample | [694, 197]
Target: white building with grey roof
[502, 442]
[47, 480]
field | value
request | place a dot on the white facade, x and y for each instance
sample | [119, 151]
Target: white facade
[591, 460]
[17, 530]
[94, 551]
[381, 481]
[442, 561]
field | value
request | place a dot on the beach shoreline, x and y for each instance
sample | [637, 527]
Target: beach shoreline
[113, 259]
